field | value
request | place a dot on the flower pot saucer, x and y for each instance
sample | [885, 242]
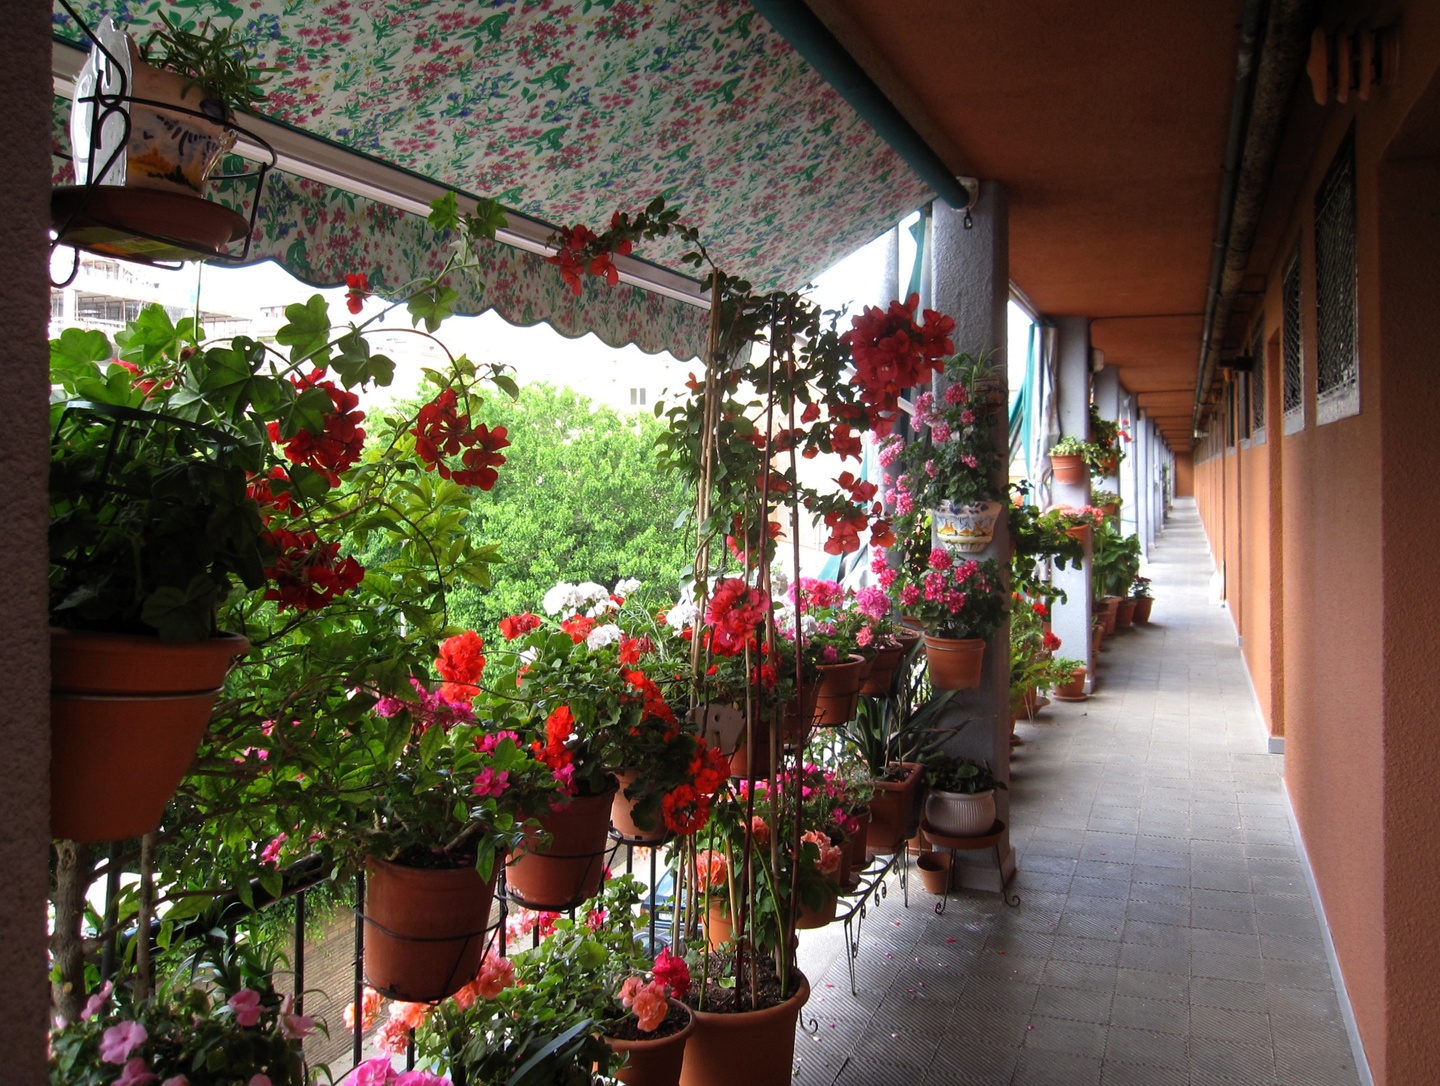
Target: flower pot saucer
[958, 844]
[148, 225]
[1063, 697]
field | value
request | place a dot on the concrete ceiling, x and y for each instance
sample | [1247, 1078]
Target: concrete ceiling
[1106, 123]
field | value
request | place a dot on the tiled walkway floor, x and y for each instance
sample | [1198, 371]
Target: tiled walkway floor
[1166, 933]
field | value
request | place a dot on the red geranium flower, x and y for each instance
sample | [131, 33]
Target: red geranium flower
[357, 290]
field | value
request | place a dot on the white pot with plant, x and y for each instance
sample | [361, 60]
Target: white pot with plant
[961, 797]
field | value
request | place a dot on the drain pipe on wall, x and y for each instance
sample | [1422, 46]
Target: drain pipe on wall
[1274, 42]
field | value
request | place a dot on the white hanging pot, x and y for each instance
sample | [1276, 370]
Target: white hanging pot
[968, 529]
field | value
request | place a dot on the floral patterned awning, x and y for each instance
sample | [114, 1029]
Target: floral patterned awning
[568, 112]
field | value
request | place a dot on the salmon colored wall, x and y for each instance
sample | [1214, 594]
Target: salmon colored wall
[1326, 542]
[1184, 475]
[1254, 539]
[1409, 269]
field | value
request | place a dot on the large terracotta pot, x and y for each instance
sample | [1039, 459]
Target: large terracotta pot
[755, 1048]
[1069, 470]
[572, 867]
[1108, 611]
[856, 842]
[126, 715]
[424, 929]
[809, 917]
[955, 663]
[621, 813]
[934, 870]
[893, 810]
[1124, 614]
[654, 1062]
[838, 691]
[795, 730]
[1142, 609]
[960, 814]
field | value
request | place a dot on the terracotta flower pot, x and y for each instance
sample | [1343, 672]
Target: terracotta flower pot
[882, 671]
[424, 929]
[572, 867]
[955, 663]
[809, 917]
[960, 814]
[1069, 470]
[919, 844]
[621, 813]
[1124, 614]
[756, 1048]
[1074, 689]
[1108, 612]
[856, 843]
[718, 928]
[934, 871]
[1142, 609]
[1079, 532]
[838, 691]
[126, 715]
[892, 810]
[654, 1061]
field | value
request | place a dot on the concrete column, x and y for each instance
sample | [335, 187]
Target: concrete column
[1144, 486]
[1071, 619]
[971, 283]
[1130, 477]
[1107, 395]
[25, 88]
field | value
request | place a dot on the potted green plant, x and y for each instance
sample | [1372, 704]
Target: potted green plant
[1144, 600]
[1069, 457]
[1107, 501]
[215, 1021]
[1069, 679]
[960, 798]
[828, 631]
[959, 604]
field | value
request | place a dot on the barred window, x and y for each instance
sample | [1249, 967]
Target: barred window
[1337, 361]
[1257, 380]
[1293, 365]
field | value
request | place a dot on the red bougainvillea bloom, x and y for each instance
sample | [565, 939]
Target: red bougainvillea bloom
[341, 440]
[307, 574]
[513, 626]
[891, 353]
[734, 611]
[672, 972]
[461, 663]
[1051, 642]
[357, 289]
[685, 810]
[441, 431]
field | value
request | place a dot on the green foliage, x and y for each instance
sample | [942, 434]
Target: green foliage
[1116, 561]
[580, 499]
[949, 774]
[219, 60]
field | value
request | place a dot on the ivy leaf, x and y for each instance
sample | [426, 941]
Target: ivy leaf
[181, 614]
[308, 332]
[74, 354]
[444, 213]
[432, 307]
[355, 365]
[151, 334]
[507, 385]
[489, 217]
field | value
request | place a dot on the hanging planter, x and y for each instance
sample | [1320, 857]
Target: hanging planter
[837, 692]
[753, 1047]
[654, 1061]
[1069, 469]
[424, 928]
[571, 868]
[968, 529]
[622, 813]
[126, 715]
[955, 663]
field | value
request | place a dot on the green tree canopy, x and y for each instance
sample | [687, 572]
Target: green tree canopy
[580, 498]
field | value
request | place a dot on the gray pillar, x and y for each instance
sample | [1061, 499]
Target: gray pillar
[972, 284]
[1107, 405]
[25, 88]
[1143, 496]
[1071, 619]
[1130, 515]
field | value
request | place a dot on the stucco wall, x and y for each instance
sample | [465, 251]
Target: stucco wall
[1331, 532]
[24, 461]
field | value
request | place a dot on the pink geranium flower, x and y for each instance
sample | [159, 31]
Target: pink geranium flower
[96, 1003]
[136, 1073]
[120, 1040]
[245, 1005]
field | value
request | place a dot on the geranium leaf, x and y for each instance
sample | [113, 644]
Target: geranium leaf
[307, 332]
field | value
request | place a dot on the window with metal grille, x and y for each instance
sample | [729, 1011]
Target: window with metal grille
[1292, 355]
[1257, 382]
[1337, 358]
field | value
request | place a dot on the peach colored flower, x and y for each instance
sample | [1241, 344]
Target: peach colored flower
[496, 974]
[370, 1008]
[650, 1006]
[711, 868]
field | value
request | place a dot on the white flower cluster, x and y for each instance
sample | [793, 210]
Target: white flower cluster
[626, 585]
[567, 599]
[601, 636]
[681, 615]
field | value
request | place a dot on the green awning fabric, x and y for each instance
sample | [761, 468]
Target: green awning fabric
[567, 112]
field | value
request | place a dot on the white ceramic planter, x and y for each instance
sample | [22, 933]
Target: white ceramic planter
[959, 814]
